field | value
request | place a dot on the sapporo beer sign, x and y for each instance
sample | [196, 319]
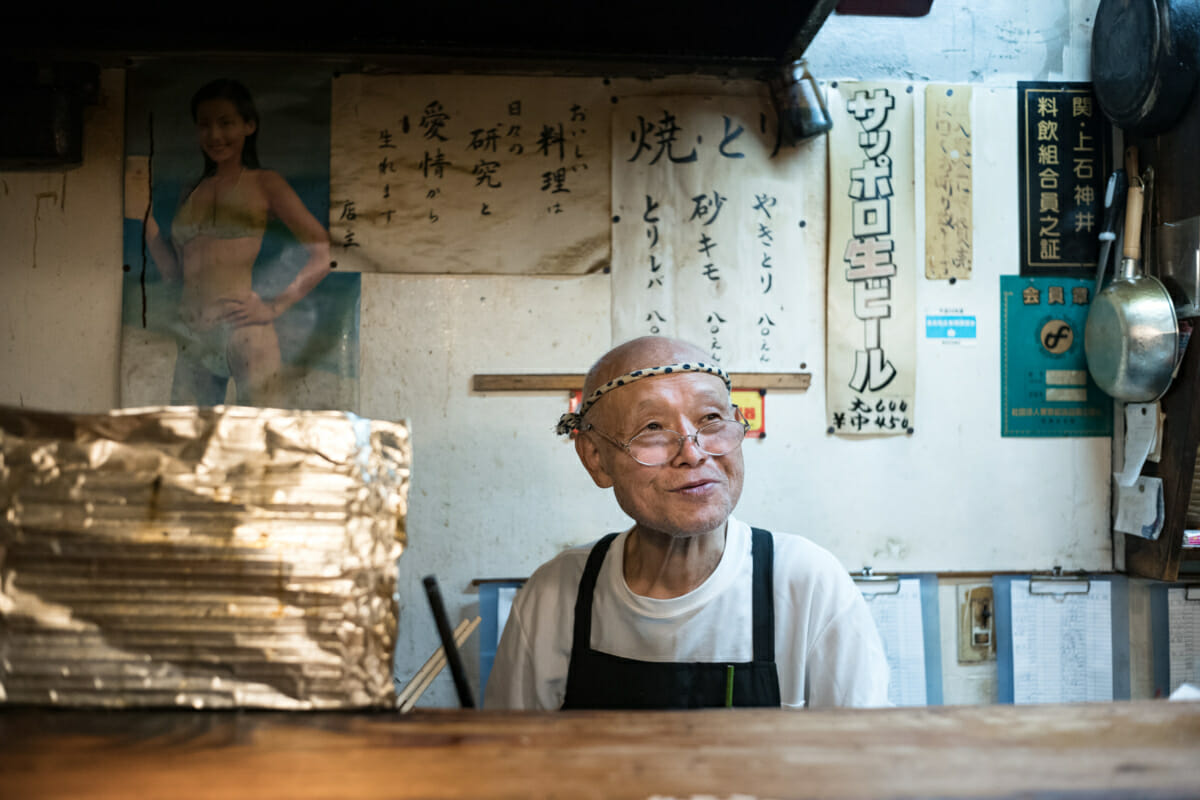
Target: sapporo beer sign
[1064, 151]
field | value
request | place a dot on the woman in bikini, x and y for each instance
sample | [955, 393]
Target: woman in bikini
[226, 329]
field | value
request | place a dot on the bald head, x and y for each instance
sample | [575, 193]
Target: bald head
[664, 389]
[647, 351]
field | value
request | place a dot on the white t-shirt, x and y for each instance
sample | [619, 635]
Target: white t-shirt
[827, 651]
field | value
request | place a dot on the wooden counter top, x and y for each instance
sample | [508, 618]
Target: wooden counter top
[1118, 750]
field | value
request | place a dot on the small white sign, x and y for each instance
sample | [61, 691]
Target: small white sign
[950, 326]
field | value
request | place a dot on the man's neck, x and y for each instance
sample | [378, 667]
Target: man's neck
[662, 566]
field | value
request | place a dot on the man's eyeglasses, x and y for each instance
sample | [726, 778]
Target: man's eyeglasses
[655, 448]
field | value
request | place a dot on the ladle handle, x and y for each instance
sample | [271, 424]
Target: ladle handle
[1131, 162]
[1133, 221]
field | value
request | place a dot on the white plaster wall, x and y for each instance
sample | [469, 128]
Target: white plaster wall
[60, 271]
[494, 493]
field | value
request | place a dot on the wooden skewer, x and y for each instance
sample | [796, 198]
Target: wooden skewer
[419, 677]
[436, 662]
[427, 666]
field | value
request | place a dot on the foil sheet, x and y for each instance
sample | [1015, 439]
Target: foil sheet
[208, 558]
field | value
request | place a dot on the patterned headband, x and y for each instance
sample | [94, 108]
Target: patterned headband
[569, 422]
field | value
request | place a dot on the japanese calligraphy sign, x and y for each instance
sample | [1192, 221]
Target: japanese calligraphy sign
[714, 224]
[1045, 386]
[948, 217]
[1064, 152]
[871, 289]
[475, 174]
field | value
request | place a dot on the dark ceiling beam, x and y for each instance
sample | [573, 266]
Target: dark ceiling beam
[701, 32]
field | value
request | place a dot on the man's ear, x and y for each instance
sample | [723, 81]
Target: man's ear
[589, 454]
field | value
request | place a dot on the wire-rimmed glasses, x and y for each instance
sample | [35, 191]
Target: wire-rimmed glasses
[657, 447]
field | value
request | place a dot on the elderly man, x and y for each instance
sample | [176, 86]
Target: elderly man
[690, 607]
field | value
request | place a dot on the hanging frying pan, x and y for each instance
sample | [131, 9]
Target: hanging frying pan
[1131, 336]
[1144, 61]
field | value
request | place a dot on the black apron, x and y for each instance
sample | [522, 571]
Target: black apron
[599, 680]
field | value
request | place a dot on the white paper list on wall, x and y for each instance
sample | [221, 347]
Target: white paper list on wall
[1184, 652]
[1175, 635]
[712, 223]
[871, 295]
[469, 173]
[905, 611]
[1062, 640]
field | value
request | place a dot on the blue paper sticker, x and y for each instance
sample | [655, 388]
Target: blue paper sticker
[950, 327]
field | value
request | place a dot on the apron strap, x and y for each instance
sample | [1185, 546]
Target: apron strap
[583, 601]
[763, 554]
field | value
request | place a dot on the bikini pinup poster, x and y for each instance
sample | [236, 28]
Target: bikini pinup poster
[231, 294]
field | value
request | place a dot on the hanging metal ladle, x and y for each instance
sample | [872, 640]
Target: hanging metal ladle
[1131, 338]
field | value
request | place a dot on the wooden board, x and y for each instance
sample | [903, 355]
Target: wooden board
[1146, 748]
[948, 193]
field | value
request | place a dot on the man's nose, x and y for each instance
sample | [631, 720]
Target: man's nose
[689, 450]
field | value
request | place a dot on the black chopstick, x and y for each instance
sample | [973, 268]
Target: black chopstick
[448, 646]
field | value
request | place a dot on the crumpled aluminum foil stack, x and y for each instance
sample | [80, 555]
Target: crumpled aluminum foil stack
[207, 558]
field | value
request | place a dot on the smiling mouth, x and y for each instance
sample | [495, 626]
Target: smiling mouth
[694, 486]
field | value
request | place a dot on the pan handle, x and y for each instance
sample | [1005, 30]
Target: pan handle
[1133, 222]
[1131, 162]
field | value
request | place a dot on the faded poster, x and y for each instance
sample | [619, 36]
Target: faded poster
[230, 293]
